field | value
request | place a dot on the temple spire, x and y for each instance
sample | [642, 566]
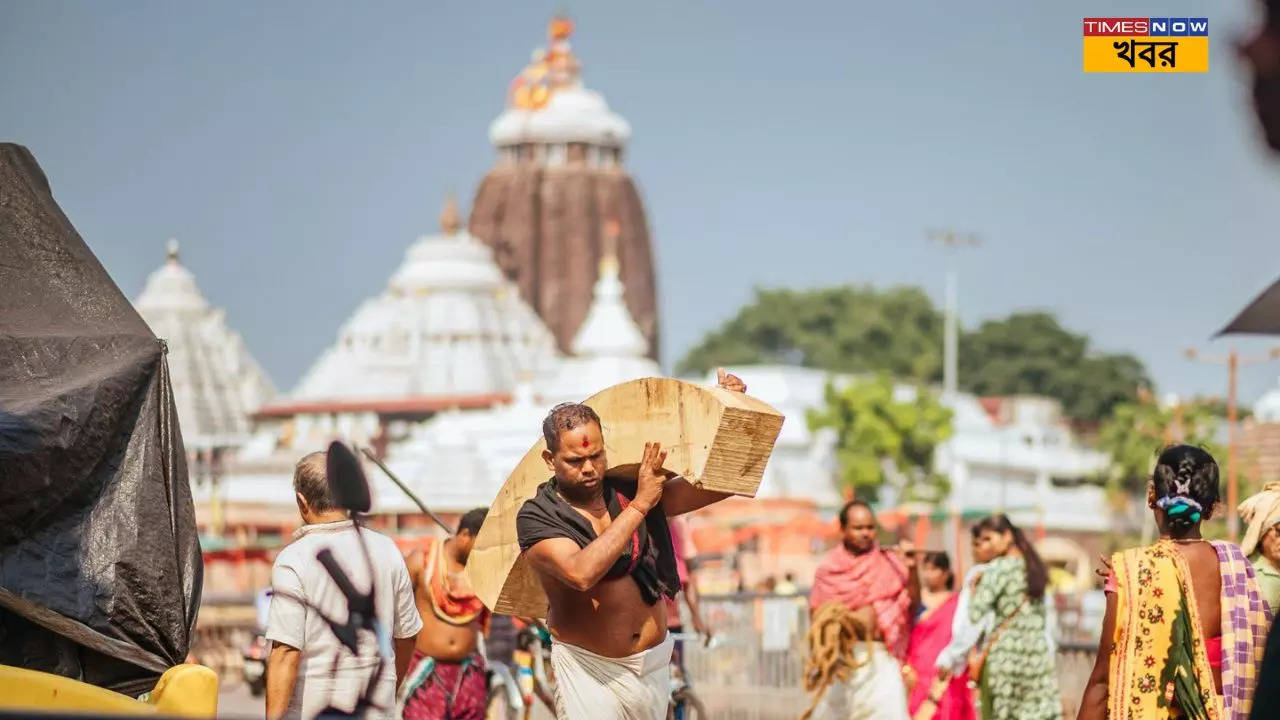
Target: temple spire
[171, 250]
[450, 220]
[609, 265]
[609, 329]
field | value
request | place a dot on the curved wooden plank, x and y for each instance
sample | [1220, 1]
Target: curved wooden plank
[716, 439]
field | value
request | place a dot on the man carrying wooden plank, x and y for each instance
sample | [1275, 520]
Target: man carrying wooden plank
[602, 551]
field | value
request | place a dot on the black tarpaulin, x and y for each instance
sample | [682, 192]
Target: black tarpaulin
[100, 566]
[1261, 317]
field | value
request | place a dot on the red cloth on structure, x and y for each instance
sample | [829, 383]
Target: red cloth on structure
[455, 691]
[929, 636]
[876, 578]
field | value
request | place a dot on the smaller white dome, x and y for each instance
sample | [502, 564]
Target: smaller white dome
[439, 262]
[171, 287]
[216, 383]
[608, 349]
[609, 330]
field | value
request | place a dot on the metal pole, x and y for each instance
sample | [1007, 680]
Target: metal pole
[950, 380]
[949, 349]
[405, 488]
[1233, 490]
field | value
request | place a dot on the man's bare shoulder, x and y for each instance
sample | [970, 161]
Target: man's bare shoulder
[416, 561]
[549, 555]
[552, 547]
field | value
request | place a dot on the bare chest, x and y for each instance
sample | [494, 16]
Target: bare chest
[599, 519]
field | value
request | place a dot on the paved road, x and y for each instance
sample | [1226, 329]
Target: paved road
[234, 701]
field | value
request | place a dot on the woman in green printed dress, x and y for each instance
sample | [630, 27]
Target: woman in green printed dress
[1019, 680]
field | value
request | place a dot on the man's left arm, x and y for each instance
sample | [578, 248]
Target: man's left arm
[404, 655]
[679, 496]
[282, 675]
[286, 620]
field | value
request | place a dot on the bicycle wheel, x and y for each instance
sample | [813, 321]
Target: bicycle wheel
[693, 707]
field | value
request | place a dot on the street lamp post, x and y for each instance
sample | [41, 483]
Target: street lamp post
[952, 241]
[1233, 361]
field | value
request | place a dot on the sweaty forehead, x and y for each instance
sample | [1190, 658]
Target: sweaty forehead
[582, 440]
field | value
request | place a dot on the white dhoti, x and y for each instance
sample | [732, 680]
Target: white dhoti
[874, 691]
[595, 687]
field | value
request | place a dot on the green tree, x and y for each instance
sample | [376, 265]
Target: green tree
[1137, 431]
[899, 331]
[884, 437]
[1030, 353]
[842, 329]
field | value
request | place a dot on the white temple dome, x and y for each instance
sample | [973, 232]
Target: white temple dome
[548, 104]
[171, 287]
[216, 382]
[571, 115]
[448, 324]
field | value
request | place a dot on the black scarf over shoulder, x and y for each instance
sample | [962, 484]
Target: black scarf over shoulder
[547, 515]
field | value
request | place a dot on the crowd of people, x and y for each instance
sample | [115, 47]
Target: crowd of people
[931, 650]
[604, 549]
[1183, 635]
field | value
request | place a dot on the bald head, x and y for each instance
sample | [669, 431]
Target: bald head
[311, 481]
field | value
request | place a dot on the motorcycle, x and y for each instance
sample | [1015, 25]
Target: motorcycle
[254, 669]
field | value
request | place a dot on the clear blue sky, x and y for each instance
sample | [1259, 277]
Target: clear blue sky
[297, 148]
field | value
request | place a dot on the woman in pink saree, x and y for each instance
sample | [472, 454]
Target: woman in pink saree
[932, 632]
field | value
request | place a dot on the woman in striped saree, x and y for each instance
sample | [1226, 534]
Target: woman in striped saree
[1186, 624]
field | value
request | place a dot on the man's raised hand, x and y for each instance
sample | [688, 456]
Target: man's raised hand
[729, 381]
[907, 551]
[651, 478]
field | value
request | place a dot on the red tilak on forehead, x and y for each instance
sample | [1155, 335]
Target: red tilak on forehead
[585, 441]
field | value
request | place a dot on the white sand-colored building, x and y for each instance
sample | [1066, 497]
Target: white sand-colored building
[216, 383]
[446, 376]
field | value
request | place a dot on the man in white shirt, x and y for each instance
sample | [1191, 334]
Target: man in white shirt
[309, 669]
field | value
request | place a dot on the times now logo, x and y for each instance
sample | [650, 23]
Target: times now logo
[1141, 27]
[1117, 26]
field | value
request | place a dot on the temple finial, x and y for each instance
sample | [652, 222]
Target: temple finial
[560, 27]
[609, 249]
[171, 250]
[450, 220]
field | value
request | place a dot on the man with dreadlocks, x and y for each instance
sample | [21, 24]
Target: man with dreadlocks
[878, 590]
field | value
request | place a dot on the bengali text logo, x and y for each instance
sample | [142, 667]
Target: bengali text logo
[1157, 44]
